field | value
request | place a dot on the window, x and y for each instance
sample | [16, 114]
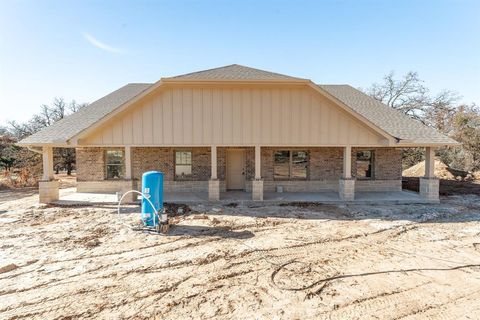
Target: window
[281, 166]
[299, 165]
[364, 164]
[290, 165]
[183, 163]
[114, 160]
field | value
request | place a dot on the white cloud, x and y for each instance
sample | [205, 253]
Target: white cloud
[100, 44]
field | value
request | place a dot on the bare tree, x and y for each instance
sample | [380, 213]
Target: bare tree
[64, 158]
[407, 94]
[410, 96]
[441, 110]
[74, 106]
[466, 130]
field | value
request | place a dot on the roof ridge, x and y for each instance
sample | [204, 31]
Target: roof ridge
[234, 72]
[210, 69]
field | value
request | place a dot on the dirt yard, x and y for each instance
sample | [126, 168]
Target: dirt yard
[283, 262]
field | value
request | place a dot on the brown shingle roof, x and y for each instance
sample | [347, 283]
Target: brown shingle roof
[386, 118]
[234, 72]
[389, 120]
[72, 125]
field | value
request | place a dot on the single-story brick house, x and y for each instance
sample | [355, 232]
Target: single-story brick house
[238, 128]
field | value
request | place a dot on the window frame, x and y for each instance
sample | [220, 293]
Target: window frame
[182, 177]
[121, 165]
[372, 164]
[290, 165]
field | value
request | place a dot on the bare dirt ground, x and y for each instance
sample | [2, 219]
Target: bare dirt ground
[280, 262]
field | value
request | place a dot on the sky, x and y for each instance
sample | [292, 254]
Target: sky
[83, 50]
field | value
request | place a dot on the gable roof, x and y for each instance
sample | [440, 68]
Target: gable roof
[234, 72]
[68, 127]
[387, 119]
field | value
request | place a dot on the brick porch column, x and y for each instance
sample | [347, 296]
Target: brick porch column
[429, 184]
[48, 188]
[213, 183]
[346, 186]
[257, 183]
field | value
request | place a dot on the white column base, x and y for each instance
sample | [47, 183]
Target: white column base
[48, 191]
[257, 190]
[214, 190]
[346, 189]
[429, 189]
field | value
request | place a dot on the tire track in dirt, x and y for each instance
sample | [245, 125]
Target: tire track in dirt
[296, 249]
[105, 265]
[42, 301]
[380, 295]
[202, 242]
[290, 252]
[234, 274]
[116, 253]
[93, 310]
[402, 304]
[60, 282]
[209, 277]
[214, 258]
[438, 306]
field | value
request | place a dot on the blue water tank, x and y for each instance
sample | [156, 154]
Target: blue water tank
[152, 188]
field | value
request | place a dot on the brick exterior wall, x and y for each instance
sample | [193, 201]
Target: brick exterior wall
[90, 164]
[324, 163]
[163, 159]
[324, 170]
[327, 163]
[387, 163]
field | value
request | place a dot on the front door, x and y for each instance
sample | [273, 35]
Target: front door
[235, 169]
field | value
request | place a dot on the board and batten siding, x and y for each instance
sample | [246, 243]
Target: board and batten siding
[229, 115]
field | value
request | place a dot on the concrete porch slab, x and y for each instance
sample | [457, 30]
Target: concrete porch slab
[399, 197]
[83, 198]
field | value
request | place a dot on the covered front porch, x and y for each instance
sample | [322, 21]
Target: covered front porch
[248, 174]
[347, 189]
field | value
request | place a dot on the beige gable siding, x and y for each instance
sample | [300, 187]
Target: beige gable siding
[196, 116]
